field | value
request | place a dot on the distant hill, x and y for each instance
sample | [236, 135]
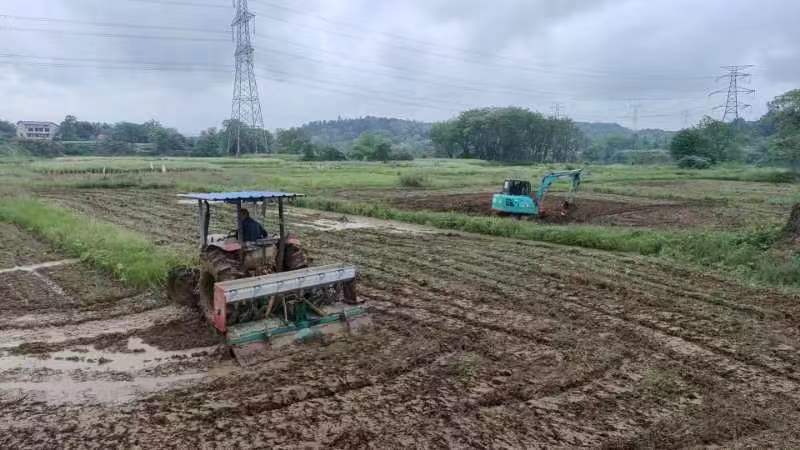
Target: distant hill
[407, 135]
[413, 136]
[596, 131]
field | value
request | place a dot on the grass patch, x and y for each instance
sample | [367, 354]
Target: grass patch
[414, 179]
[744, 253]
[128, 256]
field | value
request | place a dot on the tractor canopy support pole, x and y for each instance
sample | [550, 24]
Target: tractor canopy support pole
[240, 228]
[281, 221]
[206, 224]
[200, 226]
[282, 241]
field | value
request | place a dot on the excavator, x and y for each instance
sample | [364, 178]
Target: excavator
[516, 199]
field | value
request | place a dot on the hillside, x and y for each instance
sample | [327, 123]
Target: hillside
[406, 135]
[413, 136]
[598, 131]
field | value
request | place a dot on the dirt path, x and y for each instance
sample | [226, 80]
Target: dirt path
[478, 342]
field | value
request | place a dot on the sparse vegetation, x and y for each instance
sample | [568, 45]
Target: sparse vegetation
[129, 256]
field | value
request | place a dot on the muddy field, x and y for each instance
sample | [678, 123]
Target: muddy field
[590, 209]
[478, 342]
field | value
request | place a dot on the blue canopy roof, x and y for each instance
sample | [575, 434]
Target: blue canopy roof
[245, 196]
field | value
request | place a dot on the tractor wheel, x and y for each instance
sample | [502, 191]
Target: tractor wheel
[218, 266]
[294, 257]
[182, 285]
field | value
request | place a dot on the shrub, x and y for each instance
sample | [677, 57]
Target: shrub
[331, 154]
[41, 148]
[414, 179]
[694, 162]
[402, 156]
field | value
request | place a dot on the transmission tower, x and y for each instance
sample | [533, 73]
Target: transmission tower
[556, 108]
[732, 105]
[635, 116]
[246, 109]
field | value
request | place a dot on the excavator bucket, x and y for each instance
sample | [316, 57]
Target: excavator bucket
[261, 313]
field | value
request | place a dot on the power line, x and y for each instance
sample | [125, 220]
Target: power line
[267, 74]
[732, 105]
[110, 24]
[515, 64]
[182, 3]
[439, 45]
[115, 35]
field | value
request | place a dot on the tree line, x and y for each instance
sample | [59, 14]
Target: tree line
[509, 135]
[772, 139]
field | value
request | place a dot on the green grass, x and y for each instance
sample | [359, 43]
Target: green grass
[746, 253]
[127, 255]
[760, 193]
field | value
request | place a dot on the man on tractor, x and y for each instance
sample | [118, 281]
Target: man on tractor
[251, 229]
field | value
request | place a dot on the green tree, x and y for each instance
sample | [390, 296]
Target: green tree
[7, 129]
[784, 115]
[208, 144]
[509, 134]
[130, 132]
[364, 147]
[293, 140]
[711, 139]
[446, 138]
[68, 130]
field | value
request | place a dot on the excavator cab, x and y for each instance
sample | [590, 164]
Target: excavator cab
[516, 187]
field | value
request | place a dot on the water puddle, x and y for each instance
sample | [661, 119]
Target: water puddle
[34, 267]
[138, 357]
[65, 390]
[84, 374]
[357, 222]
[14, 337]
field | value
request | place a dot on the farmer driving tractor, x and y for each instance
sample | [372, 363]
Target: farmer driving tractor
[251, 229]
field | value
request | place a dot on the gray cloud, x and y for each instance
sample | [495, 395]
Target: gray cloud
[422, 59]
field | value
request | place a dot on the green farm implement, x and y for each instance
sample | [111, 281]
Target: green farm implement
[258, 291]
[518, 201]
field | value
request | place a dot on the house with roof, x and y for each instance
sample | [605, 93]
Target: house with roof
[36, 130]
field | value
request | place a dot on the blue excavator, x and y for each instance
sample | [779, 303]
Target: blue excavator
[516, 199]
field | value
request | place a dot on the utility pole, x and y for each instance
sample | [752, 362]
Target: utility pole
[635, 116]
[732, 106]
[246, 108]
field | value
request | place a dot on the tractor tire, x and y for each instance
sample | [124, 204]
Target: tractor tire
[294, 257]
[182, 285]
[217, 266]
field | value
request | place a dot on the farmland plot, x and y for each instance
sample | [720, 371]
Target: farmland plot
[478, 342]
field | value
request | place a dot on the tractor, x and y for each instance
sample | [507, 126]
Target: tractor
[517, 201]
[261, 293]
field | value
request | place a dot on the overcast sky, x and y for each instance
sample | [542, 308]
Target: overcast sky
[136, 60]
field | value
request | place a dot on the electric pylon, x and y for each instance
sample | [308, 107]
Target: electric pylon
[732, 105]
[246, 109]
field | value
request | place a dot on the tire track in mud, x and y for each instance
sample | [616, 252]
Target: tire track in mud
[567, 268]
[91, 329]
[578, 260]
[472, 273]
[477, 275]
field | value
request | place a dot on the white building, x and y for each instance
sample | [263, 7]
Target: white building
[36, 130]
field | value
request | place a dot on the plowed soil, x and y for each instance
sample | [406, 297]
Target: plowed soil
[584, 209]
[478, 342]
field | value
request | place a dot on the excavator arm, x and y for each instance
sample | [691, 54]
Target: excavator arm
[550, 178]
